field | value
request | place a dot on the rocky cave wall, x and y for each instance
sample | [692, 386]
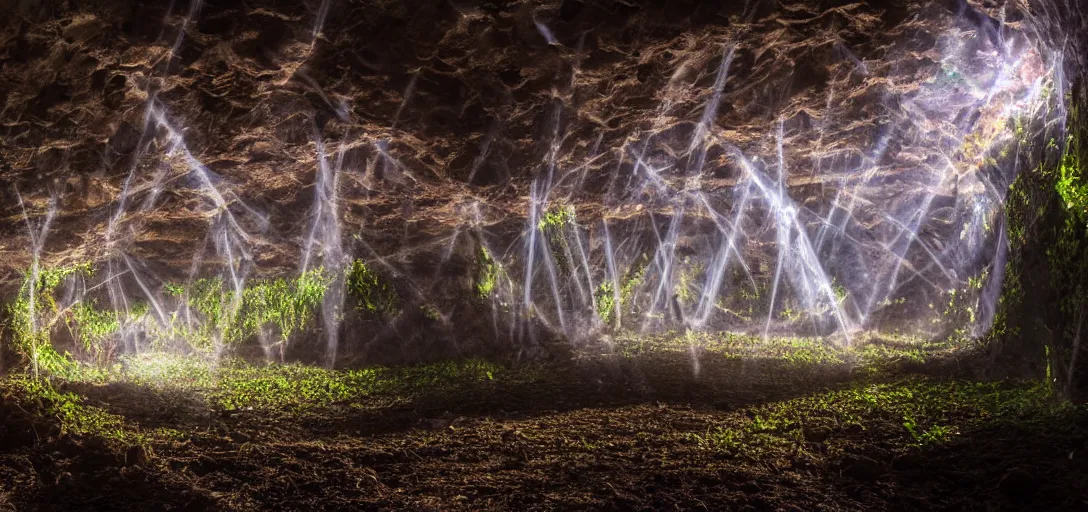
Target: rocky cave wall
[175, 140]
[1040, 326]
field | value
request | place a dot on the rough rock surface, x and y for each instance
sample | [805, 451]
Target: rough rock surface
[811, 139]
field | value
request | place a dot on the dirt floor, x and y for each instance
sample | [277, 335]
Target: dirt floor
[642, 428]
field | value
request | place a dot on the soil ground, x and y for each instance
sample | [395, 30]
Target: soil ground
[885, 425]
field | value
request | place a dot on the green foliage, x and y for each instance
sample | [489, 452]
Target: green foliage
[370, 290]
[1047, 212]
[840, 292]
[909, 413]
[1069, 256]
[557, 225]
[50, 278]
[1048, 377]
[1073, 190]
[788, 313]
[291, 386]
[976, 282]
[208, 297]
[487, 275]
[173, 289]
[556, 218]
[1020, 212]
[284, 305]
[686, 286]
[430, 312]
[605, 296]
[634, 279]
[1072, 183]
[30, 321]
[608, 309]
[67, 408]
[288, 306]
[234, 384]
[719, 439]
[93, 325]
[865, 355]
[752, 437]
[450, 375]
[934, 434]
[749, 294]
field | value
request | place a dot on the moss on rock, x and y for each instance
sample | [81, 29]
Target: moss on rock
[1040, 315]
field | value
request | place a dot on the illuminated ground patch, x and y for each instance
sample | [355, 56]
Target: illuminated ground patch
[857, 427]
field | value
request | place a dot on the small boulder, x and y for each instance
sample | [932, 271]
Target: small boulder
[83, 28]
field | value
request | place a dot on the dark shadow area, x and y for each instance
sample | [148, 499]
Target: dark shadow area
[97, 487]
[1036, 463]
[148, 407]
[42, 469]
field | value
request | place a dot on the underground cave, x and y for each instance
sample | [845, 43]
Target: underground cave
[543, 255]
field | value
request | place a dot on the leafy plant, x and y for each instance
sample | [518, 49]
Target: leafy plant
[33, 313]
[556, 218]
[1072, 184]
[605, 296]
[430, 312]
[634, 279]
[932, 435]
[68, 409]
[556, 225]
[488, 274]
[686, 287]
[372, 293]
[788, 313]
[287, 306]
[840, 291]
[608, 308]
[719, 439]
[93, 326]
